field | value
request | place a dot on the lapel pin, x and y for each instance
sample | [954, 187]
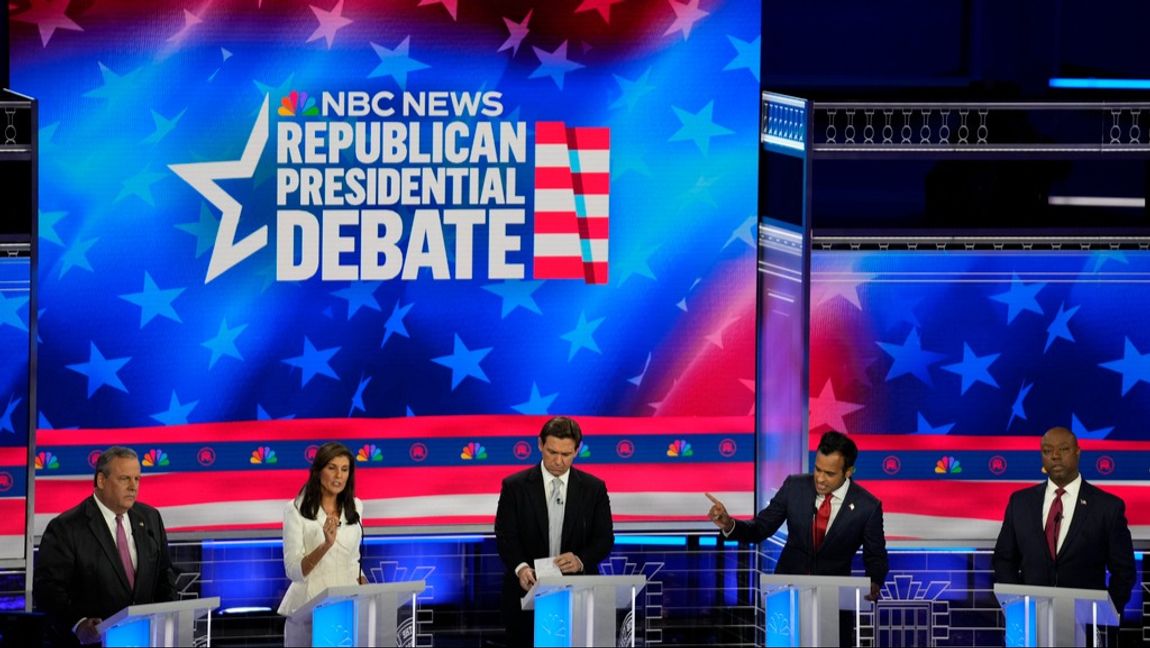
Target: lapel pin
[1082, 502]
[851, 506]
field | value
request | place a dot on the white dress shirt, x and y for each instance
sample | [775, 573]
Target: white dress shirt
[837, 497]
[110, 520]
[1069, 502]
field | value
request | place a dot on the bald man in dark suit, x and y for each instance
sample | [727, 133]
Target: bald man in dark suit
[1066, 532]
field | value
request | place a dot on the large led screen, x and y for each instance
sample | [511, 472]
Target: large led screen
[420, 227]
[14, 332]
[947, 368]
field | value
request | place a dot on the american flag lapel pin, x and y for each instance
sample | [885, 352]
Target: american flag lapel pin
[851, 506]
[1082, 502]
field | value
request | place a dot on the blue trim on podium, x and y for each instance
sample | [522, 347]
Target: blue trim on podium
[135, 633]
[553, 619]
[334, 624]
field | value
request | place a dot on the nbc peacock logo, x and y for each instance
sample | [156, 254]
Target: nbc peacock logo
[297, 104]
[584, 451]
[680, 448]
[473, 451]
[948, 465]
[46, 460]
[263, 455]
[155, 457]
[369, 452]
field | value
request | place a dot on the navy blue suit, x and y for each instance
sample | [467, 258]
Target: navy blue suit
[857, 523]
[521, 534]
[1098, 539]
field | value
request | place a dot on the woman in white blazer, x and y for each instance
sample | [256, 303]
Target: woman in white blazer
[322, 533]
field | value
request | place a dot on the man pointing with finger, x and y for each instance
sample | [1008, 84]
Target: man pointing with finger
[828, 518]
[549, 511]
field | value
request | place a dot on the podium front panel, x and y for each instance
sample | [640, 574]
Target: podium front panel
[1020, 616]
[129, 633]
[333, 624]
[782, 618]
[553, 616]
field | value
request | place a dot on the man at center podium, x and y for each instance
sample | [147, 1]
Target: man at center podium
[551, 510]
[828, 518]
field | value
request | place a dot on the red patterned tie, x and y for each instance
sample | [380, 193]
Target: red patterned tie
[125, 555]
[822, 519]
[1054, 522]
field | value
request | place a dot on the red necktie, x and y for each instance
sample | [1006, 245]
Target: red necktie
[1054, 523]
[125, 555]
[822, 519]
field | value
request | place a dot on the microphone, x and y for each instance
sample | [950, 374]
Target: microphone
[1058, 518]
[559, 500]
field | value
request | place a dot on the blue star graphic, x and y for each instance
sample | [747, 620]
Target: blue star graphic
[153, 301]
[394, 322]
[554, 64]
[698, 127]
[224, 344]
[463, 363]
[204, 230]
[1018, 409]
[278, 91]
[973, 369]
[536, 403]
[395, 63]
[633, 90]
[101, 371]
[1060, 327]
[748, 56]
[924, 426]
[357, 399]
[638, 380]
[1100, 258]
[115, 87]
[163, 126]
[636, 262]
[76, 256]
[48, 222]
[747, 232]
[262, 415]
[176, 413]
[910, 358]
[313, 361]
[581, 336]
[359, 294]
[10, 312]
[1020, 297]
[1081, 432]
[516, 294]
[6, 418]
[1133, 366]
[140, 185]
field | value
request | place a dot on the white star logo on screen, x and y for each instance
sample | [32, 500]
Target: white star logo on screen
[202, 176]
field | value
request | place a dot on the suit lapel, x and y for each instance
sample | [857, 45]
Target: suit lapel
[1081, 510]
[99, 529]
[807, 520]
[538, 503]
[143, 544]
[570, 510]
[844, 516]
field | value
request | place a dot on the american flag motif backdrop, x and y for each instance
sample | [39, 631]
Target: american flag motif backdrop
[266, 224]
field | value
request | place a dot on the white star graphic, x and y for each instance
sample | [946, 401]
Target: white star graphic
[202, 176]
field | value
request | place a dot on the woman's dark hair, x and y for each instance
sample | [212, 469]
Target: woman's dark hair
[312, 491]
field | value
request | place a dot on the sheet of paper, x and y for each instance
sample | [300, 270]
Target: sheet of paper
[546, 567]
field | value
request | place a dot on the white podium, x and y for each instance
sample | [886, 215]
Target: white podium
[1053, 616]
[580, 610]
[361, 615]
[804, 610]
[157, 624]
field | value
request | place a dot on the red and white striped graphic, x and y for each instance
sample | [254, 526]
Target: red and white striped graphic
[572, 186]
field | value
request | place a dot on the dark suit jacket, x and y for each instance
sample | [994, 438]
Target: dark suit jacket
[858, 522]
[1098, 538]
[521, 524]
[78, 572]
